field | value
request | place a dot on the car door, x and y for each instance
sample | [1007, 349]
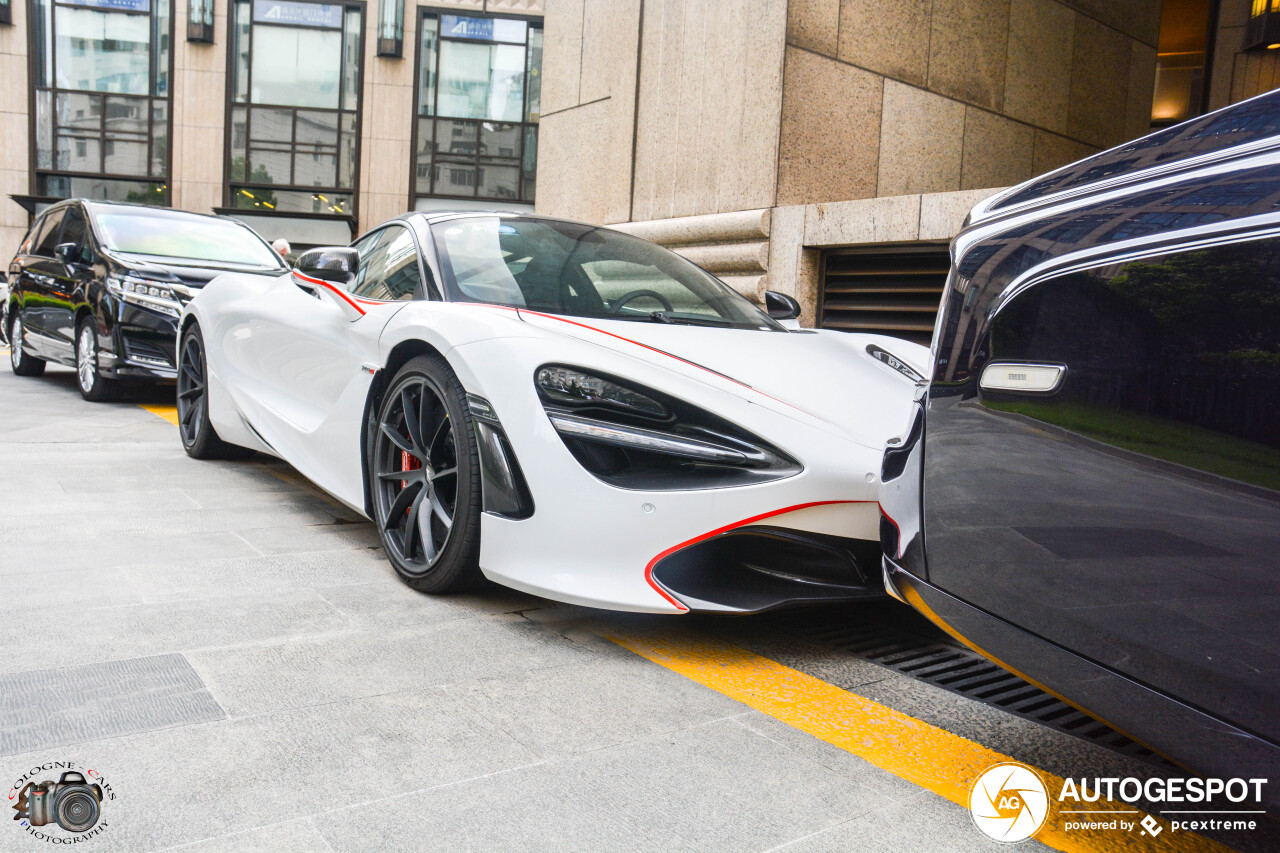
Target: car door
[41, 291]
[70, 278]
[1114, 485]
[308, 355]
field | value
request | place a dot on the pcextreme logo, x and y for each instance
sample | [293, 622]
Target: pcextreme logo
[1009, 802]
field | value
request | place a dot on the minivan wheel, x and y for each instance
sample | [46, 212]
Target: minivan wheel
[199, 438]
[23, 363]
[424, 476]
[94, 387]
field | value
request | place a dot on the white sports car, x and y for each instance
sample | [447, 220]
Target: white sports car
[567, 409]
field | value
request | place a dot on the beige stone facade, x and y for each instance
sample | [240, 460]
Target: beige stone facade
[14, 130]
[832, 122]
[747, 134]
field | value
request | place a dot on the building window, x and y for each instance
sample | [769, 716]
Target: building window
[100, 99]
[1263, 29]
[391, 28]
[478, 100]
[1180, 61]
[293, 142]
[200, 21]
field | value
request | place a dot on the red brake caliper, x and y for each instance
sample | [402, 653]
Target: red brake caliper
[408, 463]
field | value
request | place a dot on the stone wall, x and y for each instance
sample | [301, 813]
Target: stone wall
[750, 134]
[883, 98]
[199, 91]
[14, 131]
[779, 248]
[734, 246]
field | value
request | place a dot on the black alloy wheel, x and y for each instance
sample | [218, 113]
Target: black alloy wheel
[93, 386]
[424, 476]
[199, 438]
[23, 363]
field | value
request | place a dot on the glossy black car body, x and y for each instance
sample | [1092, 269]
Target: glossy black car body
[65, 275]
[1113, 533]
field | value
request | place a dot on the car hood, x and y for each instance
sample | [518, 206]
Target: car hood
[833, 377]
[184, 271]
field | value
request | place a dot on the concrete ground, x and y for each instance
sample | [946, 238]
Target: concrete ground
[228, 650]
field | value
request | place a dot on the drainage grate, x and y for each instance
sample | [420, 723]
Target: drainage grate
[904, 642]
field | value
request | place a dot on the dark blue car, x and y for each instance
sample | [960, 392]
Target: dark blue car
[1091, 494]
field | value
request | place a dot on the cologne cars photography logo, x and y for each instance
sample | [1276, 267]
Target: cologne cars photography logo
[73, 804]
[1009, 802]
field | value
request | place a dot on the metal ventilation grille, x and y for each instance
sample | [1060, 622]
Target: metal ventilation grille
[902, 641]
[887, 291]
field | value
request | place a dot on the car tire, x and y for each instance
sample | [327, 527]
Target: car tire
[93, 386]
[22, 362]
[199, 439]
[423, 431]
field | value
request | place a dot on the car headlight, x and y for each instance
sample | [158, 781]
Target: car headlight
[153, 295]
[639, 438]
[575, 388]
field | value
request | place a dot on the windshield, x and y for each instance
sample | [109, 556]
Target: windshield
[197, 238]
[583, 271]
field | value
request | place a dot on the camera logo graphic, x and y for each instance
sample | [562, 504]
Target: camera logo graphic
[72, 802]
[1009, 802]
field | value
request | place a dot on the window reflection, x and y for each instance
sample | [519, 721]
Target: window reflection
[101, 98]
[294, 142]
[481, 78]
[1184, 36]
[102, 51]
[296, 67]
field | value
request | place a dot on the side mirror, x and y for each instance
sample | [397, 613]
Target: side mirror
[68, 253]
[336, 264]
[779, 306]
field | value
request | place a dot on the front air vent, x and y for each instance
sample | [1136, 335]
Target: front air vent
[885, 291]
[146, 353]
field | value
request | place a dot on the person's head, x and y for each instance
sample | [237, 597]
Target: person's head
[281, 245]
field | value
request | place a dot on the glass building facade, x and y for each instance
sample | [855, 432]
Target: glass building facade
[478, 103]
[293, 138]
[101, 98]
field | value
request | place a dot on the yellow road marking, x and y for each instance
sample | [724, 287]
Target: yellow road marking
[169, 413]
[912, 749]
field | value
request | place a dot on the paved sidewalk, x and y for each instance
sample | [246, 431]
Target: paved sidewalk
[229, 650]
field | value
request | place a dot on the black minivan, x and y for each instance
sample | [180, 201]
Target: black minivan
[99, 286]
[1091, 493]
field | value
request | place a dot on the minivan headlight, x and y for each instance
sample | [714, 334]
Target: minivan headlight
[153, 295]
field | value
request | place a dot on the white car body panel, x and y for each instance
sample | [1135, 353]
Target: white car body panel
[290, 374]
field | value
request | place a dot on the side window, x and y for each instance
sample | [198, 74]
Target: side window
[29, 242]
[48, 236]
[75, 230]
[390, 270]
[369, 246]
